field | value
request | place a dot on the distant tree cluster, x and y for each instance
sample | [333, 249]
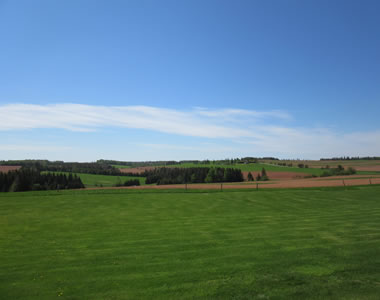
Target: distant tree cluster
[353, 158]
[300, 165]
[338, 171]
[192, 175]
[135, 164]
[32, 180]
[260, 177]
[130, 182]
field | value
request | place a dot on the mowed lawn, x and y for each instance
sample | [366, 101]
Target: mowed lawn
[120, 244]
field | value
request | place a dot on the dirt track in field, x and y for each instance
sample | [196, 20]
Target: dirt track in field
[6, 169]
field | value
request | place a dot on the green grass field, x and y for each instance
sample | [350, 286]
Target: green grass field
[93, 180]
[120, 244]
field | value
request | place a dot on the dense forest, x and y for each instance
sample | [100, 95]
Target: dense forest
[27, 179]
[134, 164]
[192, 175]
[60, 166]
[90, 168]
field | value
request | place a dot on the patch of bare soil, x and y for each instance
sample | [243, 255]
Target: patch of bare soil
[137, 170]
[368, 168]
[5, 169]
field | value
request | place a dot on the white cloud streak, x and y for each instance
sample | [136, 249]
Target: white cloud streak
[77, 117]
[239, 127]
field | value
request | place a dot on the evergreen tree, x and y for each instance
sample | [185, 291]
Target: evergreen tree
[264, 176]
[250, 177]
[210, 176]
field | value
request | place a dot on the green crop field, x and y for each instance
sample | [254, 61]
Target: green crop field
[128, 244]
[93, 180]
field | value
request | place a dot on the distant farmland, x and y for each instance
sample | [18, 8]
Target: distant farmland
[285, 176]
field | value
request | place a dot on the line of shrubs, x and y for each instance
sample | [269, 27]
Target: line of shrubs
[130, 182]
[338, 171]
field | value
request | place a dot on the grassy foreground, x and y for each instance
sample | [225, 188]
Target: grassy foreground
[118, 244]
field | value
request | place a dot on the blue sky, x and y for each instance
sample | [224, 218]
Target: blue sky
[157, 80]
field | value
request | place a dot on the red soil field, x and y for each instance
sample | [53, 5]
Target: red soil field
[368, 168]
[5, 169]
[137, 170]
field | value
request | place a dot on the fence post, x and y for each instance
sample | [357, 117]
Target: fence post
[221, 186]
[344, 183]
[370, 181]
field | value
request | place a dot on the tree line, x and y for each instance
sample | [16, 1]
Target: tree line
[352, 158]
[227, 161]
[135, 164]
[60, 166]
[89, 168]
[27, 179]
[192, 175]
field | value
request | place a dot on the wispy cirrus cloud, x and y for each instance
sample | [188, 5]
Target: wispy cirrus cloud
[78, 117]
[239, 131]
[238, 113]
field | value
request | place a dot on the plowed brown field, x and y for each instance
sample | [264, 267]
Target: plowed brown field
[137, 170]
[5, 169]
[368, 168]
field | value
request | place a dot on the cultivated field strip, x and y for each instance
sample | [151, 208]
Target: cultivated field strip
[123, 244]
